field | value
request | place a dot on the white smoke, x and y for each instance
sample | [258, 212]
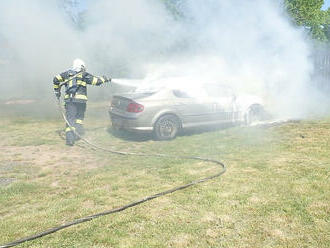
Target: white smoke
[249, 45]
[127, 34]
[39, 42]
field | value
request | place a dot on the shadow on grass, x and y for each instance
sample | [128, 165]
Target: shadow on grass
[142, 137]
[205, 129]
[130, 136]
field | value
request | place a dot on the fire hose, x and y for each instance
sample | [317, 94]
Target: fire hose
[130, 205]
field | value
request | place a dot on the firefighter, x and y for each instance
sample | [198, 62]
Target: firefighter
[75, 81]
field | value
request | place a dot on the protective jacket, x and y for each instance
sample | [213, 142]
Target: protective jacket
[75, 84]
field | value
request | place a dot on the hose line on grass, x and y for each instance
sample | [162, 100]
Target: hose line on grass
[132, 204]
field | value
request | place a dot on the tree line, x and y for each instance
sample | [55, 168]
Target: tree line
[303, 13]
[309, 14]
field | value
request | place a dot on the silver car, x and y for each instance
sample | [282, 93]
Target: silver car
[165, 111]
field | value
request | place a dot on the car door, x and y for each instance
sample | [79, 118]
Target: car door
[204, 110]
[224, 108]
[224, 102]
[195, 111]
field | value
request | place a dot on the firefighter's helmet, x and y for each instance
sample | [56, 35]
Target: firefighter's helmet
[78, 65]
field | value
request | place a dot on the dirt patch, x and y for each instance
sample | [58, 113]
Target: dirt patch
[10, 165]
[181, 240]
[6, 181]
[45, 156]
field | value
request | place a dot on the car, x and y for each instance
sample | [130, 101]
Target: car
[166, 111]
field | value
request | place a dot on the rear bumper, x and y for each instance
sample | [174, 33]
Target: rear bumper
[129, 123]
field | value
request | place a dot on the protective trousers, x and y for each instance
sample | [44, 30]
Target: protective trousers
[75, 114]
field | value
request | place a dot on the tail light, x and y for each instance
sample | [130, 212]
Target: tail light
[135, 107]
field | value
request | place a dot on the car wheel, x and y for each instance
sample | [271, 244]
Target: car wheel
[255, 113]
[166, 127]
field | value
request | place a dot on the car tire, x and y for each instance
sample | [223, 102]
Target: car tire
[166, 127]
[255, 113]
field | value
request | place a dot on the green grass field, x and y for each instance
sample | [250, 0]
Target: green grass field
[275, 193]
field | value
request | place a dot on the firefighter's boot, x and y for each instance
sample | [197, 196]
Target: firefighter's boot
[70, 138]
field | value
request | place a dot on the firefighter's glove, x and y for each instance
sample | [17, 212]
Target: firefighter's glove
[107, 79]
[58, 95]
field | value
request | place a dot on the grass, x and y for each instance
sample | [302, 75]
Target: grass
[275, 192]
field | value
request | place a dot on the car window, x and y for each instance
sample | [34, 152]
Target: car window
[138, 95]
[181, 94]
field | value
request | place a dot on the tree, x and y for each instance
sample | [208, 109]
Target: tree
[327, 25]
[308, 13]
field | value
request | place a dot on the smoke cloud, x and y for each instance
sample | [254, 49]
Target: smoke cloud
[249, 45]
[36, 42]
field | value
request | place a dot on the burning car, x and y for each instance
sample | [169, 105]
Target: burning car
[166, 111]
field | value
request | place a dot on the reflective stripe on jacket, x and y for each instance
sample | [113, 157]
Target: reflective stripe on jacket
[82, 79]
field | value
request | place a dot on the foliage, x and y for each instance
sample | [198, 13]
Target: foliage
[327, 26]
[305, 13]
[308, 13]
